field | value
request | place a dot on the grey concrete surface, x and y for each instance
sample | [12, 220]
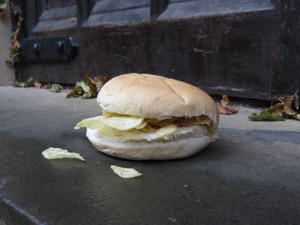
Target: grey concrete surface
[249, 175]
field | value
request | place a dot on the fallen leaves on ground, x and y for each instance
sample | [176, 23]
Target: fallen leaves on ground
[225, 107]
[56, 87]
[286, 107]
[31, 82]
[28, 83]
[9, 63]
[266, 115]
[15, 45]
[3, 5]
[88, 87]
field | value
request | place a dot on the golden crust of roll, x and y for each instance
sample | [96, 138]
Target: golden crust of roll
[157, 97]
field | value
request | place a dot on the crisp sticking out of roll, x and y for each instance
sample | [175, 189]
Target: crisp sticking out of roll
[149, 117]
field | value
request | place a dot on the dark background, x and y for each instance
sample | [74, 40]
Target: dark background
[247, 49]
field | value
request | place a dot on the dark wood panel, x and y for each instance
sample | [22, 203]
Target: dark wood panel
[286, 79]
[221, 57]
[247, 49]
[216, 54]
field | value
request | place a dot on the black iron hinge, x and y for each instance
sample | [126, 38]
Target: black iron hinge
[46, 49]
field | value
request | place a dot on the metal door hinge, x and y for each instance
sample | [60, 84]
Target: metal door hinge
[48, 49]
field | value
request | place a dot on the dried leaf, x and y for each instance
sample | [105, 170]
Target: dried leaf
[266, 115]
[9, 63]
[25, 84]
[99, 81]
[3, 4]
[289, 111]
[278, 108]
[297, 116]
[14, 44]
[56, 87]
[287, 100]
[92, 88]
[225, 108]
[76, 92]
[14, 49]
[19, 27]
[287, 107]
[88, 87]
[46, 85]
[290, 105]
[37, 84]
[224, 101]
[224, 111]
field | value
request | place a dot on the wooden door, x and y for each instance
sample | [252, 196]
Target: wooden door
[247, 49]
